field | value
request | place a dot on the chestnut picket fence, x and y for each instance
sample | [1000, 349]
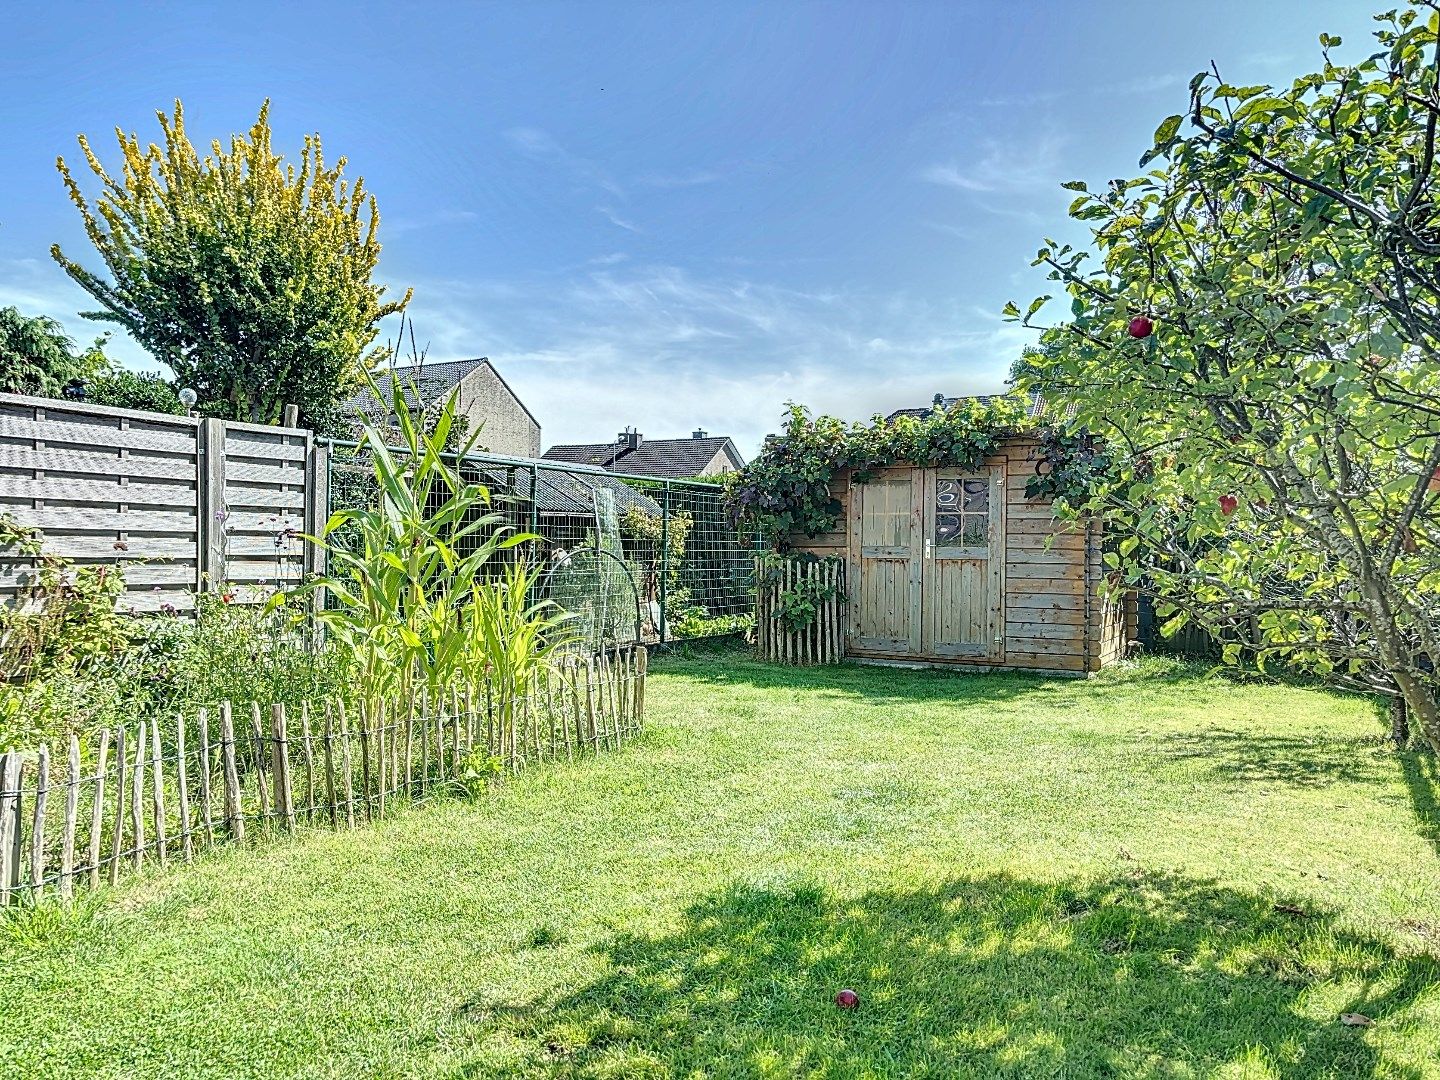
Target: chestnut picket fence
[161, 791]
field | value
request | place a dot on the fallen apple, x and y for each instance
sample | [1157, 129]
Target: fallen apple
[1141, 327]
[847, 999]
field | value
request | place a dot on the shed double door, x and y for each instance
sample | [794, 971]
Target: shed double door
[928, 549]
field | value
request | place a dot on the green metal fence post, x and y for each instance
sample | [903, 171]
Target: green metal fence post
[664, 560]
[534, 498]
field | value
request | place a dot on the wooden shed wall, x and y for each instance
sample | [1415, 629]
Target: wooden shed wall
[1055, 619]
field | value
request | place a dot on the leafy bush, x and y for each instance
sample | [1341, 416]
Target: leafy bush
[121, 388]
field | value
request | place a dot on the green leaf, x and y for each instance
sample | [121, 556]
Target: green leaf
[1167, 129]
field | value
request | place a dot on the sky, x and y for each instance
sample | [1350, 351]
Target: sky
[664, 216]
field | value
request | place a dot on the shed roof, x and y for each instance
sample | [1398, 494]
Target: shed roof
[568, 493]
[666, 458]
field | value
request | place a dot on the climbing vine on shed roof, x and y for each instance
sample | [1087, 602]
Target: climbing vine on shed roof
[786, 488]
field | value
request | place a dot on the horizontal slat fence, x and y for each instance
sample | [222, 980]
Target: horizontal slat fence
[166, 790]
[822, 640]
[177, 502]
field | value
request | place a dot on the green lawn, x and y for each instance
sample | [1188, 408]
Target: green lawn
[1020, 877]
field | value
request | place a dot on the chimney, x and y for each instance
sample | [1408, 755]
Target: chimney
[698, 433]
[629, 439]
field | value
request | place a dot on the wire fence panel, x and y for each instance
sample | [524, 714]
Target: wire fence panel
[636, 559]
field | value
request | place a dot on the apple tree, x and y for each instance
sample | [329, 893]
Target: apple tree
[1254, 333]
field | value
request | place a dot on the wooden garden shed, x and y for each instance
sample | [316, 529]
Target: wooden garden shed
[949, 566]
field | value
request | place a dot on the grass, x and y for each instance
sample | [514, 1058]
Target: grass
[1019, 876]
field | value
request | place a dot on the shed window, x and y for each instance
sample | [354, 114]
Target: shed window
[962, 513]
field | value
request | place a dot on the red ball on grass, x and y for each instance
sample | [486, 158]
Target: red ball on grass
[847, 999]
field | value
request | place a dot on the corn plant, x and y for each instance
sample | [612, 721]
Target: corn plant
[407, 573]
[512, 639]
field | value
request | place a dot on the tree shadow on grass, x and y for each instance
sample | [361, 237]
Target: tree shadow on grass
[1301, 761]
[1145, 975]
[1422, 780]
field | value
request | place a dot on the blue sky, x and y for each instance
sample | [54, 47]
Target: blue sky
[661, 215]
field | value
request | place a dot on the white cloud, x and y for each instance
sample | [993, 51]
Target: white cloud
[39, 287]
[667, 351]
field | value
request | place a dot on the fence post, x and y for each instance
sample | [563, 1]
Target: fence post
[317, 505]
[210, 504]
[9, 826]
[664, 562]
[534, 498]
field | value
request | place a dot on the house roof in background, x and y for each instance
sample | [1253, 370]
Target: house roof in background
[668, 458]
[1033, 411]
[425, 384]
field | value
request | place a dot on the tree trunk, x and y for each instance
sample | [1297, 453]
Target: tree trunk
[1399, 723]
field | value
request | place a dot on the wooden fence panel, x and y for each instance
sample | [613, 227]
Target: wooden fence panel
[178, 503]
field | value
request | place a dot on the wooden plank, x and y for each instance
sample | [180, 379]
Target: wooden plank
[121, 786]
[265, 447]
[346, 768]
[54, 519]
[72, 812]
[271, 473]
[307, 749]
[211, 509]
[258, 746]
[95, 434]
[280, 749]
[234, 816]
[187, 848]
[87, 463]
[10, 830]
[157, 783]
[171, 497]
[97, 809]
[137, 799]
[21, 404]
[328, 754]
[365, 761]
[254, 498]
[110, 548]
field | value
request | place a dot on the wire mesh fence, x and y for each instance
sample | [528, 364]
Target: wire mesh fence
[636, 559]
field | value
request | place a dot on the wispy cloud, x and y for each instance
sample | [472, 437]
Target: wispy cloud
[1140, 84]
[540, 145]
[615, 219]
[401, 225]
[695, 178]
[1002, 166]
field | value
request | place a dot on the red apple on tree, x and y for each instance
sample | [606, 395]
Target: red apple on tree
[1228, 503]
[1141, 327]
